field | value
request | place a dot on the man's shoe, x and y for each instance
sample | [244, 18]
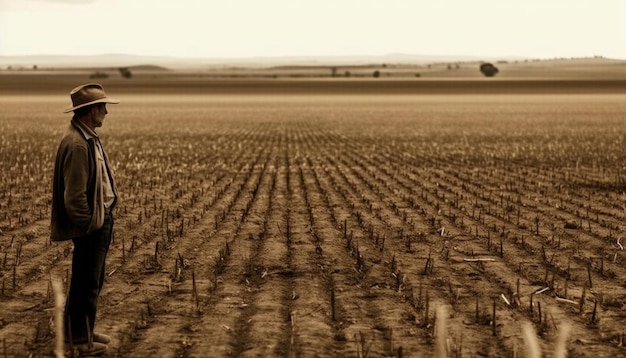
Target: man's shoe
[91, 350]
[101, 338]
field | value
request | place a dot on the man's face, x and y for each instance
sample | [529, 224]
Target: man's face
[98, 114]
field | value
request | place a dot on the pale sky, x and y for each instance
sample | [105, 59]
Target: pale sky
[250, 28]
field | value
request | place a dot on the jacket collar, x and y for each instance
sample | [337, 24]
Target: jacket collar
[87, 132]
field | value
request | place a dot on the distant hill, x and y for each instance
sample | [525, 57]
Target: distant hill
[122, 60]
[148, 68]
[87, 62]
[387, 66]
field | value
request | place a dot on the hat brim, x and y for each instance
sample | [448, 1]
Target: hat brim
[101, 100]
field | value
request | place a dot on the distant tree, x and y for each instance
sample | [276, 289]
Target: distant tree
[488, 69]
[347, 74]
[35, 67]
[376, 74]
[333, 72]
[125, 72]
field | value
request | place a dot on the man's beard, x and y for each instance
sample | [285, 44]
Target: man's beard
[98, 123]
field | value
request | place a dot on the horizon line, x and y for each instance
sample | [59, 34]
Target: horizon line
[243, 57]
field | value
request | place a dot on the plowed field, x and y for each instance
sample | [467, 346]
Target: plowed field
[331, 225]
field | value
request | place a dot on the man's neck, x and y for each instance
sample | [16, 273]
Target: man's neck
[85, 126]
[88, 123]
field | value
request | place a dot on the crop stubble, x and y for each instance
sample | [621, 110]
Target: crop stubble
[332, 225]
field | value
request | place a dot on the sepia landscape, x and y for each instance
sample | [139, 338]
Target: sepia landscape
[332, 209]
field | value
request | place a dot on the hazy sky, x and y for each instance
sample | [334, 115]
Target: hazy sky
[247, 28]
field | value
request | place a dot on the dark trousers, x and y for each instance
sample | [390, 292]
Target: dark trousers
[88, 272]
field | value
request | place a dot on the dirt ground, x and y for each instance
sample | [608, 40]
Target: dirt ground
[338, 224]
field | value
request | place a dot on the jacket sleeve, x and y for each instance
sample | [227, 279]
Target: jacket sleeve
[76, 176]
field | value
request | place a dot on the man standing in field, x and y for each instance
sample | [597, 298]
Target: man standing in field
[83, 198]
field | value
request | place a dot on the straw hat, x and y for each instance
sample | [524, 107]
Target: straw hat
[88, 94]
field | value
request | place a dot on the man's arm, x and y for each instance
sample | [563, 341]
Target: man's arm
[76, 176]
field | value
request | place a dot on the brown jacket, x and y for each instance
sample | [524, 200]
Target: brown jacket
[77, 190]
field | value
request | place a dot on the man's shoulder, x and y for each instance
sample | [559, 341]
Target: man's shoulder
[73, 137]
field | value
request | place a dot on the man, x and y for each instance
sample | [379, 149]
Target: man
[83, 198]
